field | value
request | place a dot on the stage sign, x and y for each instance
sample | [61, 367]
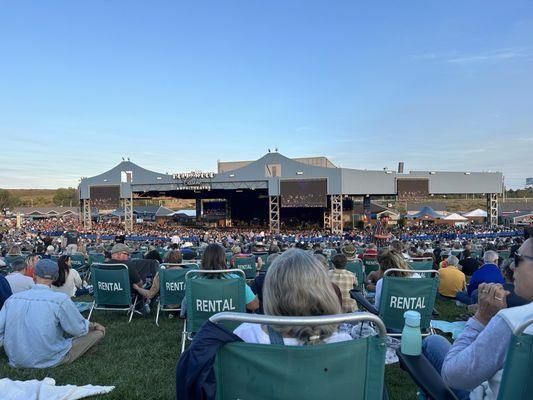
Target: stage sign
[304, 193]
[195, 180]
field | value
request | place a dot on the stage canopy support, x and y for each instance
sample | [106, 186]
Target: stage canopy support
[86, 213]
[128, 215]
[274, 218]
[492, 209]
[327, 219]
[336, 214]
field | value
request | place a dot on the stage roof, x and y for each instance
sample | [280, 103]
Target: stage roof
[266, 173]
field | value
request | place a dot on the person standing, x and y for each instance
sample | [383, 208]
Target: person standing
[381, 234]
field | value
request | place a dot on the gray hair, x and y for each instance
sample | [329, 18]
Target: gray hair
[490, 256]
[452, 260]
[296, 284]
[271, 258]
[18, 265]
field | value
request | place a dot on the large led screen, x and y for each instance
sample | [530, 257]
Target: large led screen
[304, 193]
[105, 197]
[411, 188]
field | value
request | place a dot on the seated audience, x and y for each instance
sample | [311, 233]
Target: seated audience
[40, 328]
[173, 257]
[452, 280]
[473, 365]
[258, 282]
[468, 263]
[345, 280]
[489, 272]
[295, 285]
[18, 279]
[68, 280]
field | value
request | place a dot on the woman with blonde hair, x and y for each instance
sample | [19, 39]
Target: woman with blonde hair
[390, 259]
[296, 284]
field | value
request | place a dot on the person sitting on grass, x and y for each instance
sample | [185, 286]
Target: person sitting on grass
[473, 365]
[34, 323]
[345, 280]
[296, 285]
[452, 280]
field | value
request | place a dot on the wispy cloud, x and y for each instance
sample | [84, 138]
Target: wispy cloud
[480, 57]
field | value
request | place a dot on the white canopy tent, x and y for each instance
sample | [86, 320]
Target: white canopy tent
[477, 213]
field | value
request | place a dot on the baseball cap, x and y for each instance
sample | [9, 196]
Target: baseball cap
[120, 248]
[47, 269]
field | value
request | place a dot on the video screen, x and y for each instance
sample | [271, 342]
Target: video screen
[412, 188]
[214, 209]
[105, 197]
[304, 193]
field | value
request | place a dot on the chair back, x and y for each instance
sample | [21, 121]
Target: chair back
[503, 254]
[172, 283]
[111, 284]
[247, 264]
[352, 369]
[400, 294]
[77, 260]
[96, 258]
[419, 264]
[11, 259]
[207, 296]
[356, 268]
[516, 380]
[137, 255]
[371, 264]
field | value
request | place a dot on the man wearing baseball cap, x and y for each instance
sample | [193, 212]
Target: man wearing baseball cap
[34, 324]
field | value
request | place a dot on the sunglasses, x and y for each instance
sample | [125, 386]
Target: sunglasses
[519, 257]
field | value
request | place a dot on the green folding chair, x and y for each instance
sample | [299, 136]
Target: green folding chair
[356, 268]
[96, 258]
[400, 294]
[171, 286]
[137, 255]
[352, 369]
[263, 255]
[11, 259]
[207, 296]
[112, 292]
[371, 264]
[247, 264]
[516, 383]
[78, 263]
[419, 264]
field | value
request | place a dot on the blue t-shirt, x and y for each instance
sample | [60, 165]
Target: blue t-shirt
[488, 273]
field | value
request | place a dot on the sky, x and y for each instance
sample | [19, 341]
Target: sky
[176, 86]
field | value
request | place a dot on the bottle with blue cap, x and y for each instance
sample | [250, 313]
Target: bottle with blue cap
[411, 335]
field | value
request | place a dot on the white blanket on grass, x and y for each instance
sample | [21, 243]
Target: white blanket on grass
[47, 389]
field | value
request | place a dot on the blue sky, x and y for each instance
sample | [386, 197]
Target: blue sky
[177, 85]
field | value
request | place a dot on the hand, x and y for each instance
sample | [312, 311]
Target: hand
[97, 327]
[491, 299]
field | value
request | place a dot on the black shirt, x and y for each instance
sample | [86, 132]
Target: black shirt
[469, 265]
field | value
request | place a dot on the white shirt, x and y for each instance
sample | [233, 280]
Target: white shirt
[19, 282]
[72, 281]
[175, 239]
[253, 333]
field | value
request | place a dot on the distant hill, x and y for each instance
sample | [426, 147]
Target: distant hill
[34, 197]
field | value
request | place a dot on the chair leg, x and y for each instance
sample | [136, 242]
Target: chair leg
[91, 311]
[183, 336]
[132, 309]
[157, 314]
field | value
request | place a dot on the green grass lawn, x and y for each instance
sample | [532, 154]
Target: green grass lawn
[139, 359]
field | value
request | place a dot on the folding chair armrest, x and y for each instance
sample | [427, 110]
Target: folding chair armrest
[360, 298]
[425, 376]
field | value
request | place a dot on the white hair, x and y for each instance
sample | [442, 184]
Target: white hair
[490, 256]
[452, 260]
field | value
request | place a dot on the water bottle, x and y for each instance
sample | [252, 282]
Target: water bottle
[411, 335]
